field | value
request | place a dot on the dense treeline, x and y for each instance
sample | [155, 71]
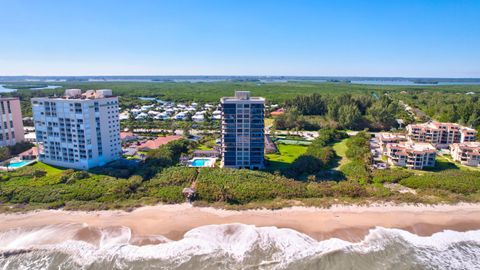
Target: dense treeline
[213, 91]
[343, 111]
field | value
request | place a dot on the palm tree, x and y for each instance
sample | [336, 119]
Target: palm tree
[186, 129]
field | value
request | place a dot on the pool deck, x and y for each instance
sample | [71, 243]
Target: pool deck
[5, 168]
[209, 162]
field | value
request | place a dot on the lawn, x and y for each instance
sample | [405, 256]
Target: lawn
[448, 163]
[287, 154]
[51, 170]
[203, 147]
[340, 149]
[207, 145]
[442, 163]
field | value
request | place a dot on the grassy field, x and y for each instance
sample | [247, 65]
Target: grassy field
[287, 154]
[203, 147]
[206, 145]
[340, 149]
[446, 162]
[50, 170]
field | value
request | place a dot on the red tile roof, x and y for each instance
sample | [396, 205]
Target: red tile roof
[278, 112]
[154, 144]
[30, 152]
[124, 135]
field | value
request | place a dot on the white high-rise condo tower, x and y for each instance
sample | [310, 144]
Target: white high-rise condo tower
[78, 131]
[11, 125]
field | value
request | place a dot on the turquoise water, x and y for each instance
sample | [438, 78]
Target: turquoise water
[7, 90]
[18, 164]
[199, 162]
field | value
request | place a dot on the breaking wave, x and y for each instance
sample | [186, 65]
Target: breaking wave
[232, 246]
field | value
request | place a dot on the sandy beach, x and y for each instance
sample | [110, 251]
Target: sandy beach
[350, 223]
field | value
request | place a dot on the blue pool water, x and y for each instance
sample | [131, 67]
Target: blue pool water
[199, 162]
[18, 164]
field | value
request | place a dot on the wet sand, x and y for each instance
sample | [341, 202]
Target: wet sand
[349, 223]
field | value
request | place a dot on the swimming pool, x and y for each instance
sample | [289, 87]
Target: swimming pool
[199, 162]
[202, 162]
[19, 164]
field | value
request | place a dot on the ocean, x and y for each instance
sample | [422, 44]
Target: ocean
[232, 246]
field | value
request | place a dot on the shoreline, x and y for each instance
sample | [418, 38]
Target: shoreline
[346, 222]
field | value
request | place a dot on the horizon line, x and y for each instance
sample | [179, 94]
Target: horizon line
[267, 76]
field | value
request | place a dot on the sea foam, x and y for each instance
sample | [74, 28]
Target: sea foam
[232, 246]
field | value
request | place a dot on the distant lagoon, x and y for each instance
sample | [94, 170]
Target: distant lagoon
[410, 83]
[8, 90]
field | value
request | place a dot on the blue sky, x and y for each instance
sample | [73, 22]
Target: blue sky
[264, 37]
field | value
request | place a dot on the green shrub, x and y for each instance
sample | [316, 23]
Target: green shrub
[349, 189]
[390, 176]
[356, 170]
[457, 181]
[169, 194]
[359, 147]
[321, 189]
[243, 186]
[318, 155]
[165, 156]
[176, 176]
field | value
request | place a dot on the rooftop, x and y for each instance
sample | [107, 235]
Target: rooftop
[126, 134]
[156, 143]
[391, 136]
[439, 125]
[76, 94]
[470, 146]
[8, 98]
[242, 96]
[414, 147]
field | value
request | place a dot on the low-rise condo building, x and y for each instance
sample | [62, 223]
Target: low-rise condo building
[467, 153]
[411, 155]
[441, 134]
[78, 131]
[386, 138]
[243, 134]
[11, 124]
